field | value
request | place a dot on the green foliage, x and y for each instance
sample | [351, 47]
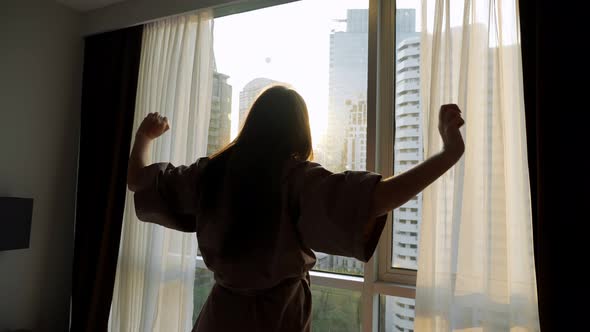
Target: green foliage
[203, 284]
[333, 310]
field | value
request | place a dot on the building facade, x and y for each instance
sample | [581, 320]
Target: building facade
[249, 94]
[220, 122]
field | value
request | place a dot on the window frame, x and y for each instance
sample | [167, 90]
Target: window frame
[386, 133]
[380, 278]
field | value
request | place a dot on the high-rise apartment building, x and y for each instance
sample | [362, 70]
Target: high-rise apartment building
[346, 137]
[220, 122]
[249, 94]
[356, 136]
[399, 314]
[408, 149]
[347, 83]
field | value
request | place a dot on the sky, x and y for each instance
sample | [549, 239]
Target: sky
[287, 43]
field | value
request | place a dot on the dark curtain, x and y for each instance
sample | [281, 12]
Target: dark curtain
[554, 71]
[111, 66]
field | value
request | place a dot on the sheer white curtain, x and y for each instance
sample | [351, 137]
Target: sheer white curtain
[476, 268]
[156, 267]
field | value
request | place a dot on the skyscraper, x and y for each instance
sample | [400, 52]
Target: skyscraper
[347, 83]
[399, 314]
[342, 145]
[408, 149]
[249, 94]
[356, 136]
[348, 77]
[405, 25]
[345, 144]
[220, 123]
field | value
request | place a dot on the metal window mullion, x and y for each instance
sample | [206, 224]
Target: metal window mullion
[399, 276]
[327, 279]
[353, 283]
[369, 298]
[379, 133]
[333, 280]
[386, 134]
[386, 119]
[394, 289]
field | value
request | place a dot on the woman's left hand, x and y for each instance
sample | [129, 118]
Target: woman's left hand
[153, 126]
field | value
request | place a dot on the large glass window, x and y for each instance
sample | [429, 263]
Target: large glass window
[403, 239]
[322, 49]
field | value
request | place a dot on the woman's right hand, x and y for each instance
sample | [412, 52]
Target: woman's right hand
[449, 122]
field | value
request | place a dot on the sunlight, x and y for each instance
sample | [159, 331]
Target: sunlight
[288, 43]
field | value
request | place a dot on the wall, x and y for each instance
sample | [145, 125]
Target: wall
[41, 55]
[133, 12]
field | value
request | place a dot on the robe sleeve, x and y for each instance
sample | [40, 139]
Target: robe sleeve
[334, 209]
[170, 195]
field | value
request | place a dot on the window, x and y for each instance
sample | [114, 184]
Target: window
[330, 47]
[330, 57]
[407, 142]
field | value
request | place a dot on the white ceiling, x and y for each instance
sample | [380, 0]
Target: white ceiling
[87, 5]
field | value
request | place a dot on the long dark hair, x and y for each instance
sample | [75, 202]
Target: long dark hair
[248, 171]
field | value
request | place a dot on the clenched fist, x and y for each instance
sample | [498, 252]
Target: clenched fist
[153, 126]
[449, 122]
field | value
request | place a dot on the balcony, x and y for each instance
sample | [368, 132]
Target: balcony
[399, 168]
[412, 252]
[408, 86]
[407, 109]
[407, 121]
[408, 216]
[408, 52]
[409, 63]
[407, 98]
[410, 42]
[407, 239]
[404, 323]
[407, 132]
[407, 156]
[405, 312]
[397, 226]
[407, 75]
[407, 145]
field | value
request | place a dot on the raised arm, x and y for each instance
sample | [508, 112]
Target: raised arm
[392, 192]
[152, 127]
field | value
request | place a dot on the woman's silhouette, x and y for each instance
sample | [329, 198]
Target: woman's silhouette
[259, 207]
